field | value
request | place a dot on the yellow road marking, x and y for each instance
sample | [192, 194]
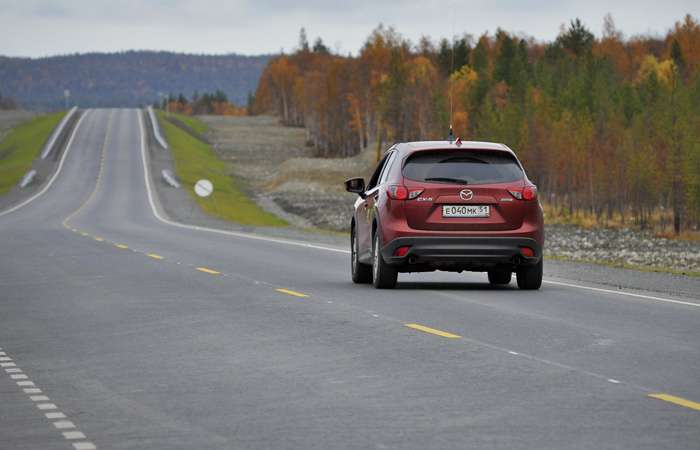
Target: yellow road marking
[425, 329]
[154, 256]
[677, 400]
[209, 271]
[122, 246]
[99, 239]
[84, 234]
[290, 292]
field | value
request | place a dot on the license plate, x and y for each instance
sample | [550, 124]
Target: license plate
[466, 211]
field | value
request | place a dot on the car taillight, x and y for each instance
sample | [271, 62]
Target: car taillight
[527, 252]
[398, 192]
[401, 251]
[414, 193]
[528, 192]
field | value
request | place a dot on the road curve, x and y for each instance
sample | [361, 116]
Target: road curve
[120, 330]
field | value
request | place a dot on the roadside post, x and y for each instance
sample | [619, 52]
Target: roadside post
[204, 188]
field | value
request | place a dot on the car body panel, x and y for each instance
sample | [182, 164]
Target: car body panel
[420, 220]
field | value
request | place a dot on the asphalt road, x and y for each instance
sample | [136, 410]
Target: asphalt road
[120, 330]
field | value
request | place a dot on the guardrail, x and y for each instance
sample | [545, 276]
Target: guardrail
[156, 128]
[57, 132]
[27, 178]
[170, 178]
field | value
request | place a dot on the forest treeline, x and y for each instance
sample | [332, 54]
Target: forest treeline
[608, 126]
[216, 103]
[131, 78]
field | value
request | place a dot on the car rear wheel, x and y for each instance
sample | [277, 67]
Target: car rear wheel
[500, 277]
[530, 277]
[361, 273]
[383, 275]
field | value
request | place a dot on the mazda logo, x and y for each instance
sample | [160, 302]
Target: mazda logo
[466, 194]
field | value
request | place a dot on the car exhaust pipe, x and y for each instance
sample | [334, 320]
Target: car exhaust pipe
[411, 259]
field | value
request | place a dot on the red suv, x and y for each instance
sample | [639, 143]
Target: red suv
[451, 206]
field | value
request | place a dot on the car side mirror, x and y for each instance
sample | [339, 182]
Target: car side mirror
[356, 186]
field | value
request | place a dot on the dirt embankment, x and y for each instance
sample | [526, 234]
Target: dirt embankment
[279, 170]
[278, 167]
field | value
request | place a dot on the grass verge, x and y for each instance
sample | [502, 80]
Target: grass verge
[21, 146]
[198, 127]
[195, 160]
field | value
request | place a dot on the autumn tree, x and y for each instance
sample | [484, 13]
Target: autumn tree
[608, 127]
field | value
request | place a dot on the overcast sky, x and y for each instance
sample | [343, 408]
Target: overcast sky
[48, 27]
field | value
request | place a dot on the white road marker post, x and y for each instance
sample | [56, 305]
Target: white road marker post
[204, 188]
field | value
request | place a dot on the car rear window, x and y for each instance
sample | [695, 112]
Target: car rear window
[468, 166]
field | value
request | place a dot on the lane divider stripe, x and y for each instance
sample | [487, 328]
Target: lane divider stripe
[154, 256]
[434, 331]
[676, 400]
[209, 271]
[122, 246]
[290, 292]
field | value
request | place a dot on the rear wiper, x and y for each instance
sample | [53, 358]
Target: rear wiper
[447, 180]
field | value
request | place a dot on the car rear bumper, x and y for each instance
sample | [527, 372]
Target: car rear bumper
[461, 253]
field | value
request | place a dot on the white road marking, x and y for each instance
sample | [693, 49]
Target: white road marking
[7, 363]
[614, 381]
[64, 424]
[84, 446]
[207, 229]
[73, 435]
[45, 406]
[629, 294]
[513, 353]
[55, 175]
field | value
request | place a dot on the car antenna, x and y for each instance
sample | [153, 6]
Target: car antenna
[451, 136]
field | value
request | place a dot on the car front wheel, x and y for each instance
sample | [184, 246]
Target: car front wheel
[361, 273]
[383, 275]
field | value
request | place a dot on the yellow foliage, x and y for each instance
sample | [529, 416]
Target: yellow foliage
[461, 82]
[665, 70]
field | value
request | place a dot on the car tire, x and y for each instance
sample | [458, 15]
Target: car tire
[361, 273]
[500, 277]
[530, 277]
[383, 275]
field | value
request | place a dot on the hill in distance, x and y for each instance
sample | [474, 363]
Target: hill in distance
[129, 78]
